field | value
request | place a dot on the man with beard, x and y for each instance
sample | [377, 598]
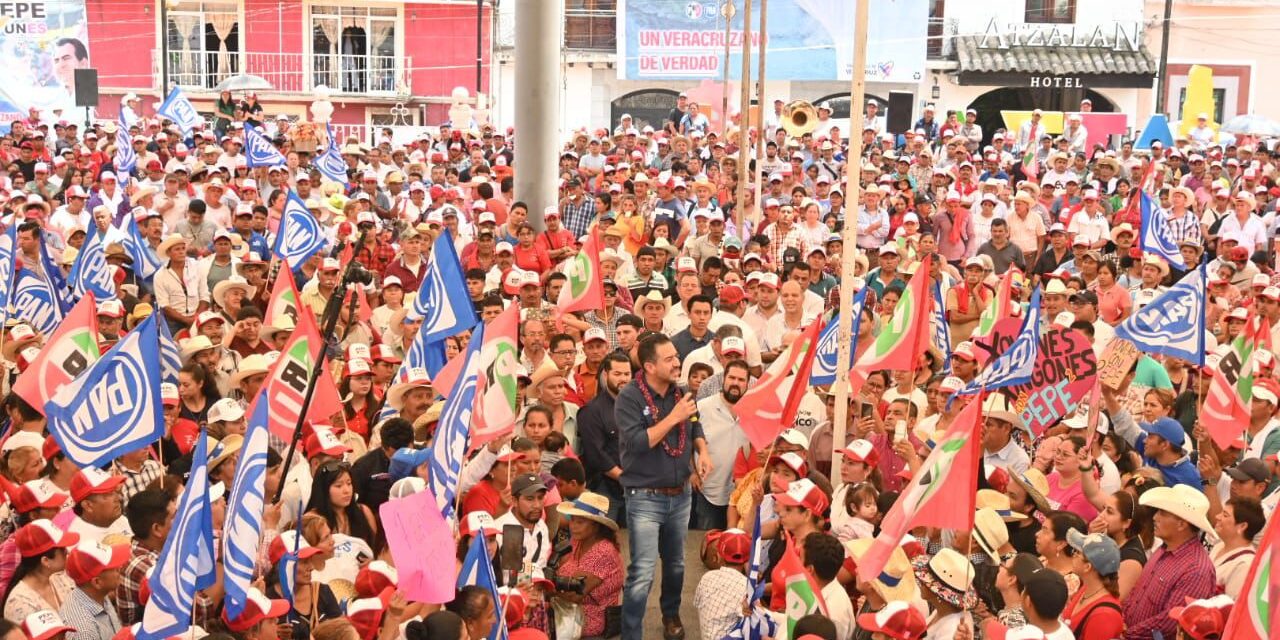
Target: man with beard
[528, 497]
[657, 440]
[725, 438]
[598, 434]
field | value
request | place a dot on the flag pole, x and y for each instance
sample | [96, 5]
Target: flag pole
[744, 115]
[853, 190]
[759, 151]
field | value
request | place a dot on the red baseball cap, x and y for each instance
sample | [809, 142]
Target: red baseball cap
[861, 451]
[366, 614]
[39, 536]
[38, 494]
[898, 619]
[93, 481]
[89, 559]
[322, 440]
[44, 624]
[286, 543]
[377, 576]
[734, 544]
[257, 608]
[803, 493]
[1206, 618]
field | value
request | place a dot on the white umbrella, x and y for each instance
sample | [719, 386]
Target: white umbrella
[244, 82]
[1252, 125]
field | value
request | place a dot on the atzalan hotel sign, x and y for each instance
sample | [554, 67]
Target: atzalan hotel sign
[1116, 36]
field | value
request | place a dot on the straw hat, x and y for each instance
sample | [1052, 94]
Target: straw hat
[221, 290]
[591, 506]
[896, 580]
[195, 345]
[252, 364]
[949, 576]
[228, 447]
[268, 330]
[998, 502]
[1037, 487]
[417, 379]
[168, 243]
[1182, 501]
[990, 532]
[653, 297]
[546, 370]
[997, 406]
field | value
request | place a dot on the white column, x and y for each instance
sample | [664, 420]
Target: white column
[539, 34]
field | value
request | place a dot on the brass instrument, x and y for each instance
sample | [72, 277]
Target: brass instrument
[799, 117]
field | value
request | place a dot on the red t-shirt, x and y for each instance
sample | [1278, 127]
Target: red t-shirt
[1100, 621]
[482, 497]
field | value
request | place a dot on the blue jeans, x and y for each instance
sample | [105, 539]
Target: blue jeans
[707, 516]
[659, 525]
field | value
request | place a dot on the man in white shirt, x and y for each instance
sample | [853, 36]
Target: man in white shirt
[101, 512]
[1090, 222]
[766, 307]
[1246, 226]
[998, 446]
[823, 556]
[528, 497]
[180, 291]
[725, 439]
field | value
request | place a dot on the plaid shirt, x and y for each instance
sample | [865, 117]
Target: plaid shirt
[577, 218]
[793, 239]
[376, 260]
[136, 481]
[1185, 228]
[127, 600]
[91, 620]
[1167, 580]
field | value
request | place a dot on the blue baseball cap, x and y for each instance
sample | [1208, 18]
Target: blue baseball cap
[1167, 428]
[405, 461]
[1100, 550]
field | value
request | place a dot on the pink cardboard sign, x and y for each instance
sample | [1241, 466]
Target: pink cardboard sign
[1065, 371]
[422, 546]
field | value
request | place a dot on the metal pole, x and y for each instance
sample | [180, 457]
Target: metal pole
[853, 194]
[479, 54]
[760, 138]
[537, 91]
[164, 49]
[744, 116]
[1163, 81]
[726, 11]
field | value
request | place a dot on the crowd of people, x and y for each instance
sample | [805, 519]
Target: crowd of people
[627, 439]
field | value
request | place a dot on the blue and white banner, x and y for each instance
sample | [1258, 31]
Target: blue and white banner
[300, 235]
[170, 353]
[477, 569]
[8, 260]
[330, 163]
[178, 109]
[258, 150]
[186, 564]
[145, 261]
[125, 159]
[35, 303]
[90, 270]
[287, 568]
[57, 281]
[941, 330]
[114, 407]
[443, 301]
[450, 444]
[243, 528]
[1016, 364]
[1174, 323]
[806, 40]
[1157, 238]
[824, 361]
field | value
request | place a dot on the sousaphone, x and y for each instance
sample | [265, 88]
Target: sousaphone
[799, 117]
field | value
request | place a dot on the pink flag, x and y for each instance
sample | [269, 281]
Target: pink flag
[422, 546]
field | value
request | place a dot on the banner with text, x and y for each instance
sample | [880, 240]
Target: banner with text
[42, 43]
[806, 39]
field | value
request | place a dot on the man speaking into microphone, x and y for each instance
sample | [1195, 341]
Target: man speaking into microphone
[659, 432]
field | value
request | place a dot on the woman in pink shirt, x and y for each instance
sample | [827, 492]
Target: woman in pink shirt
[1066, 485]
[1114, 302]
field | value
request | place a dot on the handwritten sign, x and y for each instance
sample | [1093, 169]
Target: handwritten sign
[1065, 371]
[422, 546]
[1117, 359]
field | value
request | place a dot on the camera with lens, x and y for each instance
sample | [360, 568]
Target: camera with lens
[357, 274]
[565, 584]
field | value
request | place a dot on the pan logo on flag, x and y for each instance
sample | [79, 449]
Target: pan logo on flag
[112, 406]
[33, 301]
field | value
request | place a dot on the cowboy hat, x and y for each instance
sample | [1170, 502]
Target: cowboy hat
[195, 345]
[546, 370]
[228, 447]
[591, 506]
[116, 251]
[417, 379]
[168, 243]
[990, 532]
[252, 364]
[896, 581]
[997, 406]
[281, 323]
[1159, 263]
[949, 576]
[998, 502]
[1182, 501]
[1037, 487]
[234, 282]
[653, 297]
[1123, 227]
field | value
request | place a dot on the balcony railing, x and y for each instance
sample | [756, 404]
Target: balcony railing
[292, 72]
[942, 32]
[591, 30]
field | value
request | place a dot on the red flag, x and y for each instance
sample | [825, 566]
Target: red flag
[899, 345]
[495, 403]
[1226, 406]
[1252, 618]
[941, 493]
[584, 289]
[803, 595]
[363, 311]
[770, 405]
[286, 383]
[71, 349]
[284, 298]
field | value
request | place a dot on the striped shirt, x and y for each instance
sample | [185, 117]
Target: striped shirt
[1184, 228]
[91, 620]
[577, 218]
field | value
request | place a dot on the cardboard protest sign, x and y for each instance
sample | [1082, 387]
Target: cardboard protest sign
[1065, 371]
[1116, 361]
